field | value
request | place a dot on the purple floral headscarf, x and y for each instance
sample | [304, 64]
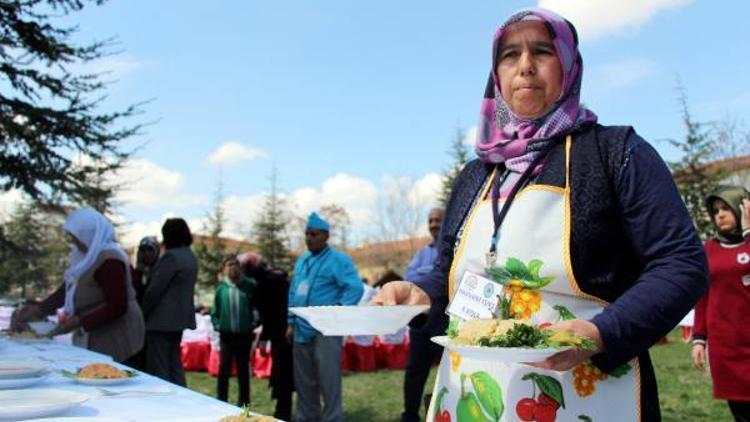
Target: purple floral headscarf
[506, 138]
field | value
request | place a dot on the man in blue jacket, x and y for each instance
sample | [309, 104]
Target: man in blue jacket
[323, 276]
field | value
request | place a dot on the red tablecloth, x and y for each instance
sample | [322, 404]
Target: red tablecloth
[195, 355]
[199, 356]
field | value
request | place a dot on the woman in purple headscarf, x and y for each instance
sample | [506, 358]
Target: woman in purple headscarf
[580, 227]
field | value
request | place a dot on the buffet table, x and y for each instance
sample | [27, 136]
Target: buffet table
[147, 399]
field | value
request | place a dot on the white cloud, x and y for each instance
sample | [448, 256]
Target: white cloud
[354, 194]
[358, 196]
[597, 18]
[232, 152]
[132, 233]
[146, 184]
[427, 189]
[240, 212]
[619, 75]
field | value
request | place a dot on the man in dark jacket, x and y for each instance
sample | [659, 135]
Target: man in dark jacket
[271, 293]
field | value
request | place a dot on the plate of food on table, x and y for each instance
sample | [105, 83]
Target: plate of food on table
[247, 416]
[100, 374]
[25, 336]
[509, 340]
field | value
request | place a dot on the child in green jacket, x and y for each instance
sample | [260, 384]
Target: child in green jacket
[232, 317]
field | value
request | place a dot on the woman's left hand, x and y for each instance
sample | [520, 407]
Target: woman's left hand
[745, 219]
[570, 358]
[65, 326]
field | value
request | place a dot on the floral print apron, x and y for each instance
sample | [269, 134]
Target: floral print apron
[533, 243]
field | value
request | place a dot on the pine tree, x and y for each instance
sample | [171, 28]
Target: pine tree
[210, 252]
[34, 251]
[270, 229]
[49, 110]
[460, 155]
[694, 177]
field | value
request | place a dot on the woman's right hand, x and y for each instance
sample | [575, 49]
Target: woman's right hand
[23, 315]
[400, 293]
[699, 357]
[745, 210]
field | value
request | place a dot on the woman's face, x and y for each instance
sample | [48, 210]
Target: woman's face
[147, 255]
[77, 243]
[529, 69]
[724, 217]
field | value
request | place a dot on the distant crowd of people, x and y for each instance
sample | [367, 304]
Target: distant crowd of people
[136, 314]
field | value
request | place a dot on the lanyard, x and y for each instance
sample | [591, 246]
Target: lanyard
[319, 261]
[498, 218]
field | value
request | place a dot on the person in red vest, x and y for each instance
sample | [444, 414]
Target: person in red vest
[723, 314]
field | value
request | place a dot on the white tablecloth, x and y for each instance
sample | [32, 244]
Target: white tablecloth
[180, 404]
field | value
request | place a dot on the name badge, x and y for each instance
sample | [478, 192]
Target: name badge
[476, 297]
[303, 289]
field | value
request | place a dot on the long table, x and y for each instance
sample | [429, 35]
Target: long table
[167, 402]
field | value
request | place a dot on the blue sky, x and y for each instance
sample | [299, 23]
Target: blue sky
[343, 96]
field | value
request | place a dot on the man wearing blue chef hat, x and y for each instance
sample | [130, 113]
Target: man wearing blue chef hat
[323, 276]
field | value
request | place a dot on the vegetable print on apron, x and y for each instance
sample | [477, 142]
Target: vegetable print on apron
[533, 245]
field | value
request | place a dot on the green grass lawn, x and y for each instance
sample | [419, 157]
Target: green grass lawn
[684, 393]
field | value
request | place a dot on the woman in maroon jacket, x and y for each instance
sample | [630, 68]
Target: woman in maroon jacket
[723, 314]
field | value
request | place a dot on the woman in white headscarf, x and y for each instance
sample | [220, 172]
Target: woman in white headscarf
[98, 298]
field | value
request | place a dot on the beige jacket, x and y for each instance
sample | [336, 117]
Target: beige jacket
[121, 338]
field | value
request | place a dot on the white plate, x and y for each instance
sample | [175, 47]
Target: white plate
[42, 327]
[358, 320]
[75, 419]
[498, 354]
[6, 383]
[34, 403]
[21, 368]
[103, 381]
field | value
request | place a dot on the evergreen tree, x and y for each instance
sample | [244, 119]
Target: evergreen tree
[49, 110]
[694, 177]
[270, 229]
[34, 252]
[460, 155]
[210, 252]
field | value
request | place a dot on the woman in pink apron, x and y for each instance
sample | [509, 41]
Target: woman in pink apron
[590, 213]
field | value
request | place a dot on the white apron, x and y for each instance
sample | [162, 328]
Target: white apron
[537, 227]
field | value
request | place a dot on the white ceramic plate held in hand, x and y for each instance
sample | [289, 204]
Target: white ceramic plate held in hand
[358, 320]
[34, 403]
[498, 354]
[42, 327]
